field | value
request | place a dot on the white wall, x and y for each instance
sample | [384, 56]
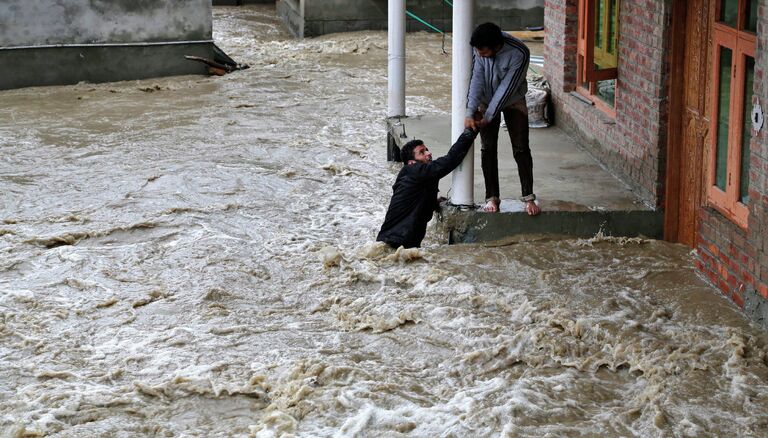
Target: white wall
[43, 22]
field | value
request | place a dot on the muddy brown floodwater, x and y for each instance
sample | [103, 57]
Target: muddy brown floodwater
[195, 256]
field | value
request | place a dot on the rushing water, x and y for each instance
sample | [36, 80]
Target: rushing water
[194, 257]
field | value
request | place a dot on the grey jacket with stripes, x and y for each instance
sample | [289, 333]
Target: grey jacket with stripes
[499, 81]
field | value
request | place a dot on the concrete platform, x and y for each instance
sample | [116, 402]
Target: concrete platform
[33, 67]
[578, 197]
[312, 18]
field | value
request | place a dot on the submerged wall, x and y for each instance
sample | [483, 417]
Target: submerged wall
[308, 18]
[49, 42]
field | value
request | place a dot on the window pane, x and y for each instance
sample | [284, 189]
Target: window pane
[729, 12]
[612, 24]
[723, 106]
[751, 20]
[606, 21]
[749, 80]
[606, 91]
[599, 23]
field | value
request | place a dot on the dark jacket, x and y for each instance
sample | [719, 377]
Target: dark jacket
[414, 195]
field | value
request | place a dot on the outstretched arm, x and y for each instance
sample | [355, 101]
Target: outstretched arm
[445, 164]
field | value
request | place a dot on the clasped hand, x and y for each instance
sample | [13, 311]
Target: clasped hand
[475, 123]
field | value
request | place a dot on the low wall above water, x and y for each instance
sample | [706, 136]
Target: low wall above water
[241, 2]
[55, 42]
[308, 18]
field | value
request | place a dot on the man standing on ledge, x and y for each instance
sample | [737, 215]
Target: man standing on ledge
[414, 194]
[498, 85]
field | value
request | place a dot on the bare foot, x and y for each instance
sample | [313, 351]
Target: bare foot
[532, 208]
[491, 205]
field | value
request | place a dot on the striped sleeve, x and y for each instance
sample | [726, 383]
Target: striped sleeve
[475, 91]
[514, 77]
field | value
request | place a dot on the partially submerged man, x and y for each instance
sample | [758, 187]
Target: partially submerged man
[414, 194]
[498, 85]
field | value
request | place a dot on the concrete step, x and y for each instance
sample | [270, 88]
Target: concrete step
[476, 226]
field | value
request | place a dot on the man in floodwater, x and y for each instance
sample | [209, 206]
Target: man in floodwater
[414, 194]
[498, 85]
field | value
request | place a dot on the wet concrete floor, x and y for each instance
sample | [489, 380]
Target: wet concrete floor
[566, 178]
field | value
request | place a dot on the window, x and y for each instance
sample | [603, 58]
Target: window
[733, 76]
[598, 52]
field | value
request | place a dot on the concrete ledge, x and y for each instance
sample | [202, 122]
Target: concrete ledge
[756, 307]
[292, 14]
[311, 18]
[396, 137]
[476, 226]
[240, 2]
[29, 67]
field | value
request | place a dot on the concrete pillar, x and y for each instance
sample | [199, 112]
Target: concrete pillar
[396, 51]
[462, 192]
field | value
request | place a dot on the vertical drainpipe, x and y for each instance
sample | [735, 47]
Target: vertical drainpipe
[462, 192]
[396, 52]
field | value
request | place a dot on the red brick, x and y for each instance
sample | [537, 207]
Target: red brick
[713, 278]
[723, 286]
[737, 299]
[747, 278]
[763, 290]
[732, 265]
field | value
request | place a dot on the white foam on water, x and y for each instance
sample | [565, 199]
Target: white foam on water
[196, 256]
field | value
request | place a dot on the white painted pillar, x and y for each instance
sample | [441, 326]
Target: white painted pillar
[463, 192]
[396, 52]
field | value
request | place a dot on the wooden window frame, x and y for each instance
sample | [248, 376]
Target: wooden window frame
[585, 69]
[742, 45]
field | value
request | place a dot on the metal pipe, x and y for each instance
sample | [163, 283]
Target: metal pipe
[422, 21]
[462, 192]
[396, 52]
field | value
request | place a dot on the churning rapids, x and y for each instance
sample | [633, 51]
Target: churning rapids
[195, 257]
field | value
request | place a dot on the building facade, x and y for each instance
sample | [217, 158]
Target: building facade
[54, 42]
[669, 96]
[309, 18]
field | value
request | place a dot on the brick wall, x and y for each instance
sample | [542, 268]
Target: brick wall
[725, 255]
[631, 145]
[736, 260]
[560, 22]
[758, 178]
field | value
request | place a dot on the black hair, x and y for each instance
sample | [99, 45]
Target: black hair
[487, 35]
[406, 153]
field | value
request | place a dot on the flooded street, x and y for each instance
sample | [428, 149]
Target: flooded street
[195, 256]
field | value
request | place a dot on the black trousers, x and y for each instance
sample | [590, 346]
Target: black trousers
[516, 117]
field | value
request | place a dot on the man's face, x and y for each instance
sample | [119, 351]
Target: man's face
[421, 154]
[487, 52]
